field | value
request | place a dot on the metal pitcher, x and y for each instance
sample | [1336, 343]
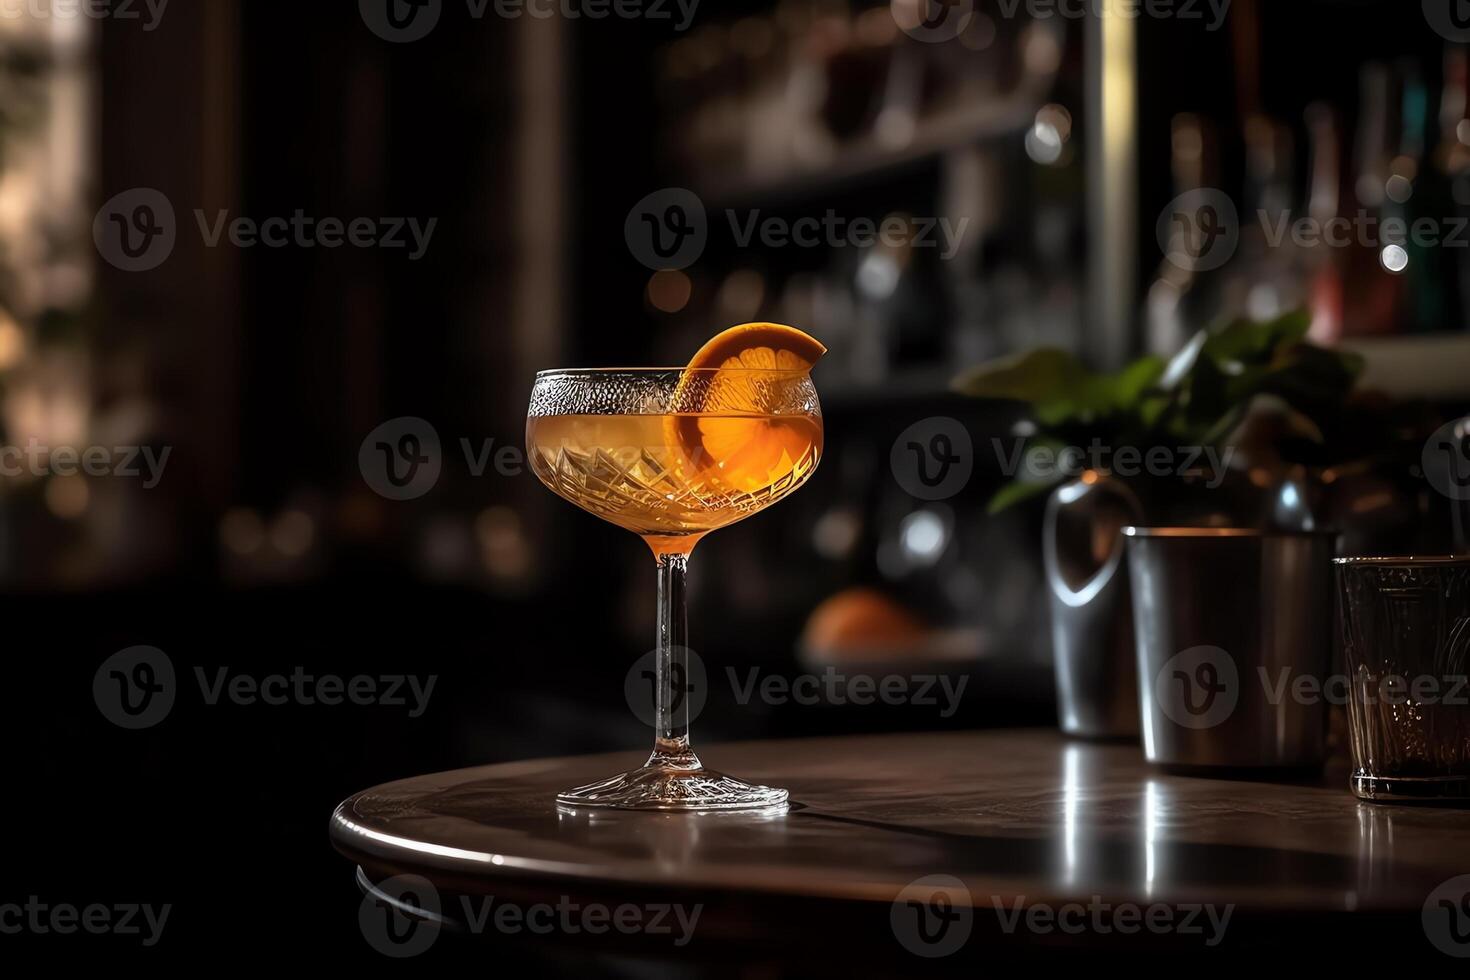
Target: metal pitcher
[1091, 612]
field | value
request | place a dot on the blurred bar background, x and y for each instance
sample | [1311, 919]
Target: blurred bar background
[1054, 142]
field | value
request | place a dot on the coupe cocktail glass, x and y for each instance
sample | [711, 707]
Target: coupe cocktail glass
[672, 454]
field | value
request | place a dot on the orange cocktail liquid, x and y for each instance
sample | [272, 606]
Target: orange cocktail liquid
[674, 478]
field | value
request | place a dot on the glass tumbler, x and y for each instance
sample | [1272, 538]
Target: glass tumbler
[1404, 628]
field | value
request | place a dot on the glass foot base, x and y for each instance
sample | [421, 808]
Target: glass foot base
[1411, 788]
[665, 788]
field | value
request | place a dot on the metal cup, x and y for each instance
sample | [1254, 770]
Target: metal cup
[1234, 645]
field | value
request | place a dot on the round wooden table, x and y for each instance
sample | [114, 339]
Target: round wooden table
[895, 845]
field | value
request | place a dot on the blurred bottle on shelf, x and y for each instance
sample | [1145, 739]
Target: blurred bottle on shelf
[1450, 173]
[1269, 272]
[1322, 262]
[1014, 273]
[1185, 294]
[1418, 200]
[897, 280]
[901, 104]
[1383, 251]
[788, 92]
[764, 57]
[1410, 194]
[853, 73]
[1057, 239]
[1374, 296]
[1266, 277]
[973, 192]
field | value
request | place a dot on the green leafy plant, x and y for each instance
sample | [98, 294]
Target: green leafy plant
[1196, 398]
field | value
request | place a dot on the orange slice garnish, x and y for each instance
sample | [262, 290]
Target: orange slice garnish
[760, 345]
[728, 427]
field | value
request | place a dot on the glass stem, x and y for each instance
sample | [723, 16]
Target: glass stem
[672, 686]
